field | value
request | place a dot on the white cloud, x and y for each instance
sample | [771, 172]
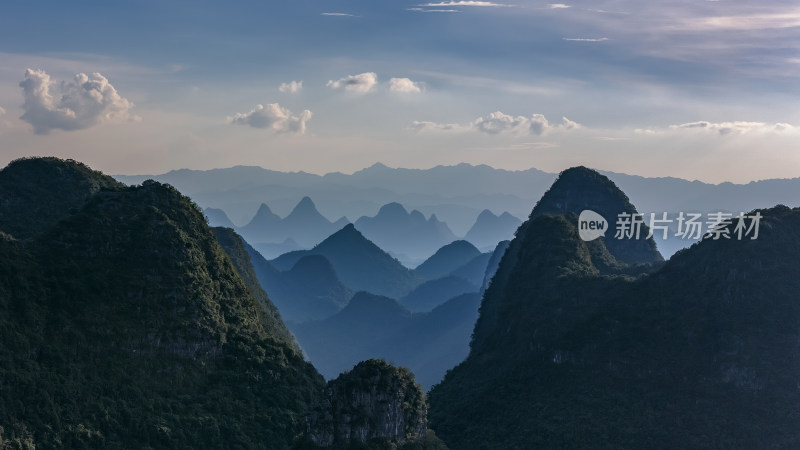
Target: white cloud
[603, 39]
[363, 82]
[338, 14]
[558, 6]
[498, 123]
[291, 87]
[729, 128]
[433, 10]
[404, 85]
[463, 3]
[84, 101]
[273, 117]
[787, 19]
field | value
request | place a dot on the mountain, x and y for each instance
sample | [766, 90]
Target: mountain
[431, 294]
[28, 209]
[575, 349]
[123, 323]
[272, 251]
[359, 264]
[262, 226]
[310, 290]
[494, 264]
[490, 229]
[456, 194]
[304, 225]
[372, 326]
[409, 236]
[447, 259]
[391, 405]
[236, 249]
[474, 271]
[217, 218]
[578, 189]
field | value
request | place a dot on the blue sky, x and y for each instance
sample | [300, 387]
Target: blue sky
[697, 89]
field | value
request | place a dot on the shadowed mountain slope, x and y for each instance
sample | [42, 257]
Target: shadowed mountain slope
[695, 354]
[125, 325]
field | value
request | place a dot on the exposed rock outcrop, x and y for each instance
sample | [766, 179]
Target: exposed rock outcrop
[374, 401]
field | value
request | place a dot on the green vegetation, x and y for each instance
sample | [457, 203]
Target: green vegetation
[373, 406]
[575, 349]
[123, 323]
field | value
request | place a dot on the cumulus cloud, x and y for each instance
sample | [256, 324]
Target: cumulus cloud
[404, 85]
[84, 101]
[291, 87]
[363, 82]
[726, 128]
[499, 122]
[273, 117]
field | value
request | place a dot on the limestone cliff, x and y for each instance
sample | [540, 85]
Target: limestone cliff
[375, 401]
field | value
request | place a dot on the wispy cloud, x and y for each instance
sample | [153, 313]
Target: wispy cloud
[84, 101]
[745, 22]
[362, 83]
[273, 117]
[558, 6]
[602, 39]
[731, 128]
[338, 14]
[463, 3]
[404, 85]
[501, 123]
[291, 87]
[434, 10]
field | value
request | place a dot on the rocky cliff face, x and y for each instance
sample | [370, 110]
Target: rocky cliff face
[373, 402]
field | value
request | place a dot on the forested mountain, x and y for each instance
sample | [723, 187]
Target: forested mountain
[123, 323]
[580, 345]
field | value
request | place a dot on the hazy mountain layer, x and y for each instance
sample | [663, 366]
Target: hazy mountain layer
[359, 264]
[490, 229]
[407, 235]
[372, 326]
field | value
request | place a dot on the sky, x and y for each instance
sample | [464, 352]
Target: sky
[699, 89]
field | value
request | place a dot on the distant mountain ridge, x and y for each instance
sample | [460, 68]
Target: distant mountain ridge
[408, 235]
[457, 194]
[489, 229]
[304, 225]
[360, 264]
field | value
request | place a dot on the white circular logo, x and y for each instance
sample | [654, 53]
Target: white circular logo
[591, 225]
